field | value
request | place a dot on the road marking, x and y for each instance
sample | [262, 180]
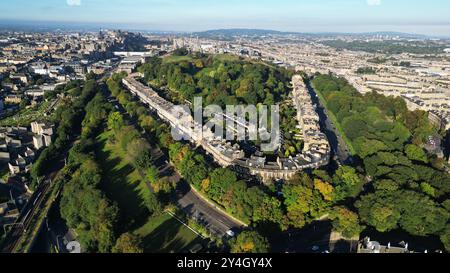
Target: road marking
[179, 220]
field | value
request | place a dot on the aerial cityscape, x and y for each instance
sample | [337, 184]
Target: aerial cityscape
[205, 127]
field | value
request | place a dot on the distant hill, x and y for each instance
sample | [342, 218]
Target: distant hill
[393, 33]
[233, 32]
[239, 32]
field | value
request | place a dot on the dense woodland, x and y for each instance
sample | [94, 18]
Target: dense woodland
[222, 80]
[68, 120]
[226, 80]
[408, 188]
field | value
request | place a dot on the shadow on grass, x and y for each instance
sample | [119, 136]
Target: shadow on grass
[167, 238]
[118, 187]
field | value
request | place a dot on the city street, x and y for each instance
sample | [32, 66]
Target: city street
[338, 146]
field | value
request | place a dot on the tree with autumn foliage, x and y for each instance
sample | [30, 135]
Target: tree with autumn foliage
[305, 199]
[128, 243]
[346, 222]
[324, 188]
[249, 242]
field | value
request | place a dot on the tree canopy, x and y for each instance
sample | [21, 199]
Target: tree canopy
[249, 242]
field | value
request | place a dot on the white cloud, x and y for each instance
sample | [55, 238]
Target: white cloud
[373, 2]
[73, 2]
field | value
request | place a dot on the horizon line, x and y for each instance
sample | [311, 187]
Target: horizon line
[123, 26]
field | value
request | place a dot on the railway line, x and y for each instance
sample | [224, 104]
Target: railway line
[24, 222]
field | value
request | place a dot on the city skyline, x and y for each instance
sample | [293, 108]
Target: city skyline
[185, 16]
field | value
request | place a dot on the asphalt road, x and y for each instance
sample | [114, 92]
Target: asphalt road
[217, 222]
[214, 220]
[338, 146]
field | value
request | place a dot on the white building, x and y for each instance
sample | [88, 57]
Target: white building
[38, 142]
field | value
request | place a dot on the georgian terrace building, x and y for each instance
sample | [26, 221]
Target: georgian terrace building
[316, 151]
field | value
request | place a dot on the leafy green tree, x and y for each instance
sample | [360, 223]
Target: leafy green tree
[115, 122]
[126, 136]
[152, 203]
[269, 211]
[428, 189]
[324, 188]
[303, 202]
[415, 213]
[91, 76]
[86, 210]
[147, 122]
[164, 185]
[347, 183]
[353, 126]
[421, 216]
[416, 153]
[346, 222]
[445, 238]
[181, 52]
[152, 174]
[379, 211]
[386, 185]
[221, 180]
[128, 243]
[138, 152]
[446, 205]
[367, 147]
[249, 242]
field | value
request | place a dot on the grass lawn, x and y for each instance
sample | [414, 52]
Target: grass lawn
[164, 234]
[122, 183]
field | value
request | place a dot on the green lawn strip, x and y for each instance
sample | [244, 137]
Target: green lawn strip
[336, 123]
[165, 234]
[122, 183]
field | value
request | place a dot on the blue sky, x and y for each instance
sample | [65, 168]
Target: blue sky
[414, 16]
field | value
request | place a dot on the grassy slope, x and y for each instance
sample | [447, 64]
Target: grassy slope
[165, 234]
[123, 184]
